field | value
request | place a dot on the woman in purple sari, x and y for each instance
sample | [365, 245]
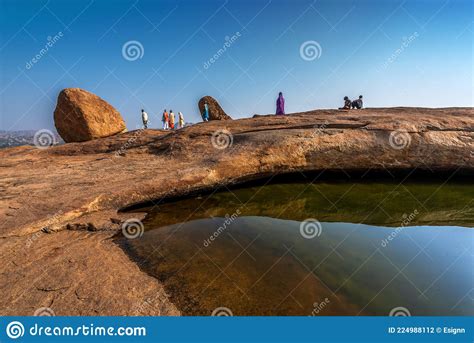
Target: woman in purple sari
[280, 104]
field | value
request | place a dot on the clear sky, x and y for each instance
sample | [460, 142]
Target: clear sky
[395, 53]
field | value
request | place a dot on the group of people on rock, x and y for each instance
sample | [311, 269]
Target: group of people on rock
[348, 104]
[168, 120]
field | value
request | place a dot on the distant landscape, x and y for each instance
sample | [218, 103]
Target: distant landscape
[9, 139]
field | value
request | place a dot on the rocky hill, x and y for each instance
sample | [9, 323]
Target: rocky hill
[59, 206]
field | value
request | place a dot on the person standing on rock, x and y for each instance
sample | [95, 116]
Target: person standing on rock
[205, 113]
[144, 119]
[280, 104]
[180, 120]
[171, 120]
[165, 120]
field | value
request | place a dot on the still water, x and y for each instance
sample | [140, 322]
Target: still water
[315, 249]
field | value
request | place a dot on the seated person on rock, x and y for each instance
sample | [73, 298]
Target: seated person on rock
[347, 104]
[358, 103]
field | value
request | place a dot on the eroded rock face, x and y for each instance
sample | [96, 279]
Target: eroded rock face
[81, 116]
[75, 190]
[215, 110]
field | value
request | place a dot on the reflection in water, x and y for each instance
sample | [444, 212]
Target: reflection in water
[260, 260]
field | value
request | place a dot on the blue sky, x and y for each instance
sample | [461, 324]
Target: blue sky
[395, 53]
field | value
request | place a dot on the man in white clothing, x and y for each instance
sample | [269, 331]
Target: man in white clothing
[145, 119]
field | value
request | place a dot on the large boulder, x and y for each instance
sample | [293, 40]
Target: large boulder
[81, 116]
[215, 110]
